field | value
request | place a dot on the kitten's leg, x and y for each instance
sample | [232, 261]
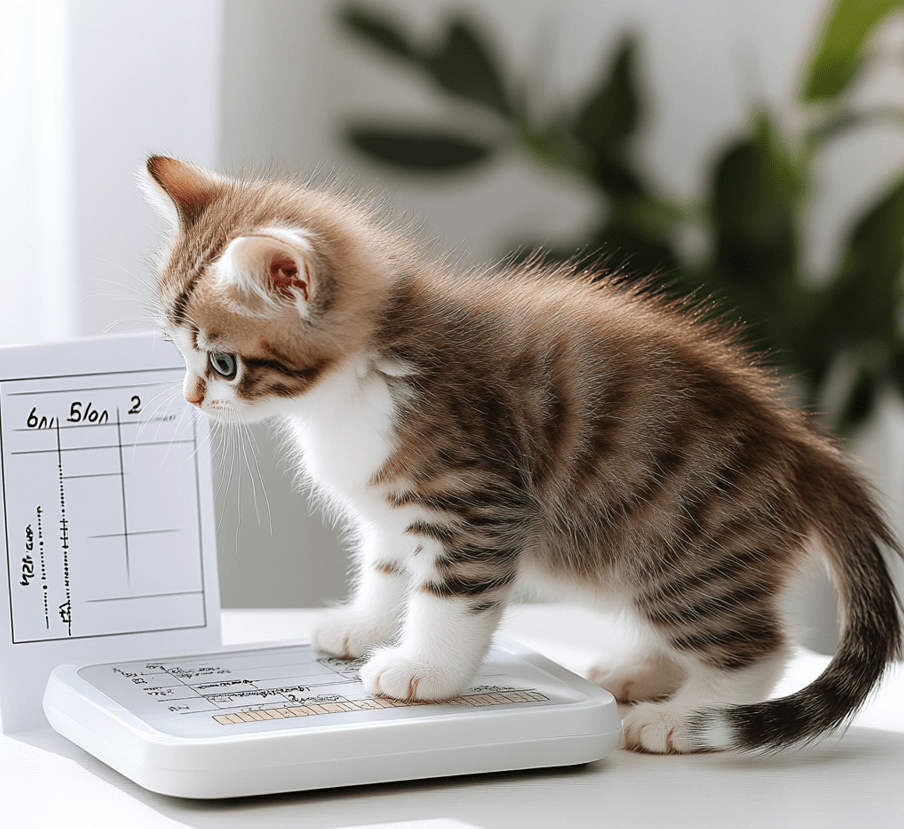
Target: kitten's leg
[648, 674]
[733, 650]
[453, 611]
[442, 645]
[666, 727]
[372, 615]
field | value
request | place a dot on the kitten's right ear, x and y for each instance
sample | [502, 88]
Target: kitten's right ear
[179, 191]
[272, 267]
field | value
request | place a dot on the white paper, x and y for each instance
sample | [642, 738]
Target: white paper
[106, 510]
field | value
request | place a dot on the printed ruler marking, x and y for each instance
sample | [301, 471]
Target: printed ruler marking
[44, 586]
[342, 706]
[66, 607]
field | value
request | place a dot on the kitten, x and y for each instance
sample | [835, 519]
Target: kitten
[526, 427]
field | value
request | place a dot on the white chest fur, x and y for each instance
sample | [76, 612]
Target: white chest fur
[344, 430]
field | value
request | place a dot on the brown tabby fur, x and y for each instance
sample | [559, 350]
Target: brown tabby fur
[565, 425]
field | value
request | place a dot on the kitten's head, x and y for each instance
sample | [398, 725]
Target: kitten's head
[265, 286]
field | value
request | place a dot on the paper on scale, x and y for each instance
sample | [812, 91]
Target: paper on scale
[107, 513]
[234, 692]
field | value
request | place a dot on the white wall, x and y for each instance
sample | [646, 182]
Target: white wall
[34, 215]
[97, 84]
[88, 88]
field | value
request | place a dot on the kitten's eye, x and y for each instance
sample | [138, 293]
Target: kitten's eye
[223, 364]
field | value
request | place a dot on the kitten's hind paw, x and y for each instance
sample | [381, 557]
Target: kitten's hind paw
[391, 673]
[654, 729]
[344, 633]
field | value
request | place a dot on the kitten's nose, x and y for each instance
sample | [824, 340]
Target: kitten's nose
[193, 391]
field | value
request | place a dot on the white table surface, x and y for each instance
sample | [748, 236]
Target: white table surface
[855, 781]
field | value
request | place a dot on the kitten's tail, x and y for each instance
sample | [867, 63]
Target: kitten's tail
[871, 638]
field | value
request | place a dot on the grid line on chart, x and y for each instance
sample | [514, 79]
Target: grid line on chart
[125, 508]
[103, 446]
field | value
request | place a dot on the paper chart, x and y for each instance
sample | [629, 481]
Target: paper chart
[96, 546]
[107, 512]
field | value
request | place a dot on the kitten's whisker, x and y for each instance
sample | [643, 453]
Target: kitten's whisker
[247, 466]
[253, 448]
[169, 389]
[238, 490]
[136, 323]
[219, 451]
[147, 282]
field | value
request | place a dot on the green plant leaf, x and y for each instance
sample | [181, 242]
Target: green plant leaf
[754, 199]
[634, 252]
[838, 54]
[862, 300]
[838, 124]
[754, 218]
[464, 66]
[379, 30]
[897, 363]
[425, 150]
[617, 179]
[861, 400]
[611, 112]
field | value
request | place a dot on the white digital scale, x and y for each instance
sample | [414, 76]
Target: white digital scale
[275, 719]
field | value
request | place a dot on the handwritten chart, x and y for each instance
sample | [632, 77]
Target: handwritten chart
[103, 477]
[293, 686]
[136, 563]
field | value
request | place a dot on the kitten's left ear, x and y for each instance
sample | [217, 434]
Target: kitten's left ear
[272, 265]
[178, 190]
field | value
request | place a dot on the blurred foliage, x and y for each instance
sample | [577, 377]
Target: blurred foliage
[752, 211]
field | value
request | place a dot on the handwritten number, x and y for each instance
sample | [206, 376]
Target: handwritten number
[136, 405]
[88, 414]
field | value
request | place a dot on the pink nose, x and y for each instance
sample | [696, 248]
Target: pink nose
[193, 389]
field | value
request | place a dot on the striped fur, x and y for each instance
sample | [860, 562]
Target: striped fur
[529, 427]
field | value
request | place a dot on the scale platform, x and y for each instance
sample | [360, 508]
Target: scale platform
[273, 719]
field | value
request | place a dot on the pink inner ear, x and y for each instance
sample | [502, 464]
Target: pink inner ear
[284, 275]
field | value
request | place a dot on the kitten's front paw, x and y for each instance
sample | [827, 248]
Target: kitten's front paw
[346, 634]
[390, 672]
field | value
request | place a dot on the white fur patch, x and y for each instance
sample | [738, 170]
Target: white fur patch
[716, 732]
[157, 197]
[344, 430]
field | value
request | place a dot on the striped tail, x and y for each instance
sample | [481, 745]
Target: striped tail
[870, 640]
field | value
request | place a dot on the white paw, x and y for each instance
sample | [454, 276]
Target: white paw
[390, 672]
[637, 682]
[345, 633]
[653, 728]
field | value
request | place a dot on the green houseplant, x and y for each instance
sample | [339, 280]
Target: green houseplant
[752, 210]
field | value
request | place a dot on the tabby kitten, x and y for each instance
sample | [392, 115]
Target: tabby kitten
[526, 427]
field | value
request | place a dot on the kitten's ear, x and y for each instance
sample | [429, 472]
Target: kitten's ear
[272, 265]
[178, 190]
